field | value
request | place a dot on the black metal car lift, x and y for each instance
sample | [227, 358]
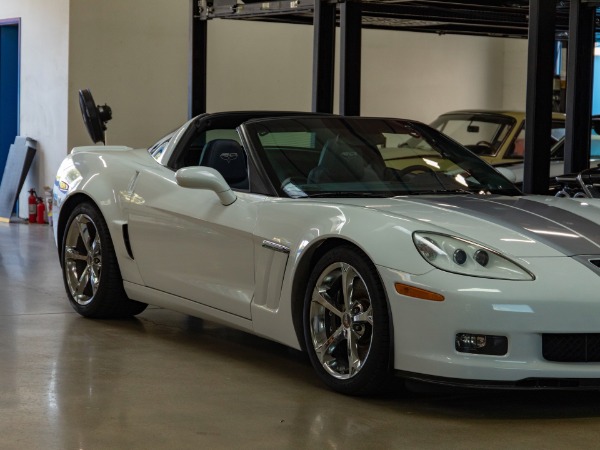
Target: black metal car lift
[323, 57]
[580, 69]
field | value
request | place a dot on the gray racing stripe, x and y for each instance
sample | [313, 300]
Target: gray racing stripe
[562, 230]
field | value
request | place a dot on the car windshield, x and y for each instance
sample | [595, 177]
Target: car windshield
[481, 133]
[367, 157]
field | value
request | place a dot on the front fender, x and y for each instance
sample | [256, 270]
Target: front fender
[302, 227]
[78, 180]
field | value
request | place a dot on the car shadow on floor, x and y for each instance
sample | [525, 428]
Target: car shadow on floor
[279, 363]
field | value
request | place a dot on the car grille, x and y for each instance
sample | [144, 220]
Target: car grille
[571, 347]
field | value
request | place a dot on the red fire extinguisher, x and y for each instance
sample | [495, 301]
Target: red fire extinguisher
[41, 210]
[32, 202]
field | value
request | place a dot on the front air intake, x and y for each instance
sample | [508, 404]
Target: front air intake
[579, 347]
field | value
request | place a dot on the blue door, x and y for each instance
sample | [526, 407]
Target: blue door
[9, 89]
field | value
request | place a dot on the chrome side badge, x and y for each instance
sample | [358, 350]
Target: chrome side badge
[275, 247]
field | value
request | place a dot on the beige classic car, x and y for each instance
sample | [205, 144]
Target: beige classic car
[496, 136]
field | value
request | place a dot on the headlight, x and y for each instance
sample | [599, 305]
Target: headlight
[458, 255]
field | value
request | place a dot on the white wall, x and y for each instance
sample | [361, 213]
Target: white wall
[515, 74]
[133, 55]
[415, 75]
[255, 65]
[419, 76]
[43, 83]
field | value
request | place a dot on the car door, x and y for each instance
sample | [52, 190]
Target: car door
[188, 244]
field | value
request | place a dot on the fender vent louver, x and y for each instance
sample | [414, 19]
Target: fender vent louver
[126, 240]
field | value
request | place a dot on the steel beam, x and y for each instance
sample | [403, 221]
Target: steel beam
[323, 56]
[430, 11]
[350, 58]
[198, 62]
[580, 69]
[538, 124]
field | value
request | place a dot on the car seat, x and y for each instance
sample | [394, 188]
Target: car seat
[228, 158]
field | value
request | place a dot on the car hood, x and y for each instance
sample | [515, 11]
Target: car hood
[525, 226]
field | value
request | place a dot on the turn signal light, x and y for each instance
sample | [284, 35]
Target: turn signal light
[415, 292]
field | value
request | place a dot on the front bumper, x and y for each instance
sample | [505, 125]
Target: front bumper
[424, 331]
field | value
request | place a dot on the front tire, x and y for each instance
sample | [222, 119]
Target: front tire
[90, 268]
[346, 323]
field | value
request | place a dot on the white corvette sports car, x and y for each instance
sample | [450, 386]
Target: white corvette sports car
[332, 235]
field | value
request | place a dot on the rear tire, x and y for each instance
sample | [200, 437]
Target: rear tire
[90, 268]
[346, 323]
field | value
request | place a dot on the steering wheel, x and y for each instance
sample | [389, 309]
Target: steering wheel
[485, 144]
[414, 168]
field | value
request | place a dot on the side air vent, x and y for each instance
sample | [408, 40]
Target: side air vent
[126, 240]
[595, 262]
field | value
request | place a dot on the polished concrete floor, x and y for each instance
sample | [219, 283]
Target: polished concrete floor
[166, 381]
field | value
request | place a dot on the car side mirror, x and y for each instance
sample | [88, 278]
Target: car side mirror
[199, 177]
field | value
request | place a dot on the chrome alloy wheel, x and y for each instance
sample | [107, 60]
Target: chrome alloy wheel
[341, 320]
[83, 259]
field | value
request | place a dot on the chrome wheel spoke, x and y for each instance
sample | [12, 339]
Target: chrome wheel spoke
[84, 233]
[323, 299]
[73, 255]
[96, 264]
[365, 316]
[326, 348]
[348, 276]
[95, 276]
[354, 362]
[96, 247]
[83, 281]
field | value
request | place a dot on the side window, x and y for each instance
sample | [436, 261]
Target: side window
[558, 131]
[158, 149]
[210, 135]
[192, 155]
[221, 150]
[518, 146]
[217, 148]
